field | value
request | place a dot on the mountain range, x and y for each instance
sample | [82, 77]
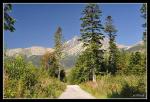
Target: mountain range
[72, 48]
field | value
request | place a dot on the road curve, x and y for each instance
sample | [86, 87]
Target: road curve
[75, 92]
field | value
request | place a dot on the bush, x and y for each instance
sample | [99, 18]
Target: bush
[48, 88]
[24, 80]
[15, 67]
[49, 63]
[71, 76]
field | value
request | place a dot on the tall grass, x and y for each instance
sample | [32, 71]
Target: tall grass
[119, 86]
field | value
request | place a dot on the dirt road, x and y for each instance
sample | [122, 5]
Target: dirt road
[75, 92]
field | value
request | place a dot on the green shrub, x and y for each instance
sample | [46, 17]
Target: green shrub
[24, 80]
[15, 67]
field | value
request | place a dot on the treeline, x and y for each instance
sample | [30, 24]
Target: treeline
[95, 63]
[94, 60]
[126, 64]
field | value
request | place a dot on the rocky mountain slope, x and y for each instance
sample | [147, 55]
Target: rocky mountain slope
[71, 47]
[35, 50]
[136, 47]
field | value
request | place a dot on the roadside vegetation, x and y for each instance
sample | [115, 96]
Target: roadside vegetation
[114, 73]
[119, 86]
[24, 80]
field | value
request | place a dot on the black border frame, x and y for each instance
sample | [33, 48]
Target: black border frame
[73, 1]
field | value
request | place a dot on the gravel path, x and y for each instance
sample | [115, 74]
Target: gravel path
[75, 92]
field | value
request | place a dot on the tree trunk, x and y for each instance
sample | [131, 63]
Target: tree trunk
[94, 76]
[59, 73]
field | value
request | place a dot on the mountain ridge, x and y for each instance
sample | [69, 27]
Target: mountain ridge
[71, 47]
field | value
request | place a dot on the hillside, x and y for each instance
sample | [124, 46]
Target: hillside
[137, 47]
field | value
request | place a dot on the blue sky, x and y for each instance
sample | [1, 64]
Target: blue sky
[36, 23]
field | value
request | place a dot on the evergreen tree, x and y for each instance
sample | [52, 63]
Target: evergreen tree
[111, 30]
[91, 35]
[82, 71]
[8, 20]
[143, 12]
[122, 61]
[58, 48]
[84, 64]
[135, 58]
[137, 64]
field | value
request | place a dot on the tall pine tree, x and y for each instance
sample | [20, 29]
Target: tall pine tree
[58, 48]
[91, 35]
[144, 15]
[143, 12]
[111, 30]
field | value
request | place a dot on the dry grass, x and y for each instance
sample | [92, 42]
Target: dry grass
[115, 86]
